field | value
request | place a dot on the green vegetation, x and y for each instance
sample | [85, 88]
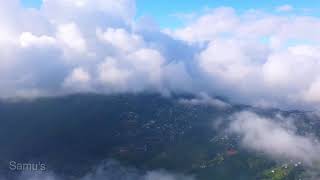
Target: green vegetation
[278, 173]
[72, 134]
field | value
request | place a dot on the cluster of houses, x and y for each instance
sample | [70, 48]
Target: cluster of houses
[146, 135]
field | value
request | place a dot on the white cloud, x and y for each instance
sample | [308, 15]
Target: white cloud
[312, 93]
[275, 137]
[112, 170]
[27, 39]
[162, 175]
[177, 79]
[210, 25]
[281, 70]
[78, 80]
[135, 72]
[109, 170]
[284, 8]
[204, 99]
[228, 59]
[121, 39]
[251, 24]
[149, 61]
[111, 73]
[268, 58]
[252, 57]
[87, 10]
[71, 37]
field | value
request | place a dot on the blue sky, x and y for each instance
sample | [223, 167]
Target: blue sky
[162, 11]
[31, 3]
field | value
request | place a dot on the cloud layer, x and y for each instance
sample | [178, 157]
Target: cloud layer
[110, 170]
[255, 57]
[263, 58]
[276, 137]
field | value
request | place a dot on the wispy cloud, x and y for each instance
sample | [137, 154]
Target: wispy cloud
[109, 170]
[276, 137]
[285, 8]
